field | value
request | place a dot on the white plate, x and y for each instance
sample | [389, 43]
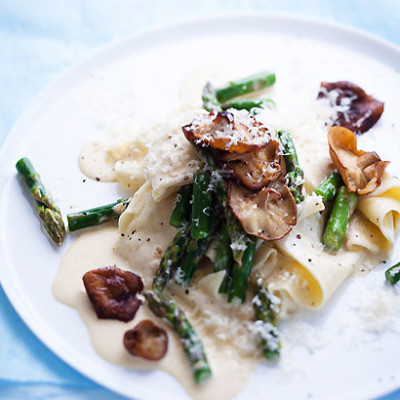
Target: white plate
[102, 94]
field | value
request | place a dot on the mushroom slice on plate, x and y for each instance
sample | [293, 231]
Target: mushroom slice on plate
[255, 170]
[361, 171]
[356, 110]
[268, 214]
[112, 292]
[146, 340]
[236, 133]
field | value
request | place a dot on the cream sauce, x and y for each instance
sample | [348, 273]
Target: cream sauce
[97, 248]
[95, 163]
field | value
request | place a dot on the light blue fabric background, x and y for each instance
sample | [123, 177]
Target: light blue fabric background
[38, 40]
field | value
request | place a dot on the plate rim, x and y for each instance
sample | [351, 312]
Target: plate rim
[76, 69]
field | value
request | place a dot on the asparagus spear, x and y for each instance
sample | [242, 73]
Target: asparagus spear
[195, 250]
[47, 210]
[242, 244]
[343, 207]
[175, 251]
[182, 210]
[249, 104]
[97, 215]
[172, 257]
[240, 274]
[166, 309]
[393, 274]
[238, 236]
[294, 173]
[244, 86]
[265, 309]
[329, 186]
[202, 204]
[188, 247]
[210, 102]
[224, 258]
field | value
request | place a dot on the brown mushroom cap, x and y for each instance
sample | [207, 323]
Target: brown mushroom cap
[112, 292]
[361, 171]
[255, 170]
[356, 110]
[147, 340]
[268, 214]
[239, 133]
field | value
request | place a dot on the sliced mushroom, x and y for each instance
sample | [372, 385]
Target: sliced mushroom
[112, 292]
[147, 340]
[255, 170]
[268, 214]
[356, 110]
[361, 171]
[239, 133]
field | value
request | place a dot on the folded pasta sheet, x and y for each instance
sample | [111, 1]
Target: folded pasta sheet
[382, 208]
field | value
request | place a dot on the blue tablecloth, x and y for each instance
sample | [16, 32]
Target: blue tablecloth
[38, 40]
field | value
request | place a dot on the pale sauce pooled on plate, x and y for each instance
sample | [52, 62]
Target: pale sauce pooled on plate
[98, 248]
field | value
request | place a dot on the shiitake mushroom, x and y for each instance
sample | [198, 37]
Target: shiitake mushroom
[360, 170]
[225, 131]
[356, 110]
[112, 292]
[147, 340]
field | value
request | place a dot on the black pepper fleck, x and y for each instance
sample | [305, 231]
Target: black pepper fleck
[97, 179]
[298, 236]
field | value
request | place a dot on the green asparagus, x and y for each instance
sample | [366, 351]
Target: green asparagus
[329, 186]
[210, 102]
[97, 215]
[195, 250]
[238, 236]
[393, 274]
[240, 274]
[295, 174]
[343, 207]
[242, 244]
[171, 259]
[48, 212]
[249, 104]
[202, 205]
[224, 258]
[265, 309]
[244, 86]
[182, 210]
[166, 309]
